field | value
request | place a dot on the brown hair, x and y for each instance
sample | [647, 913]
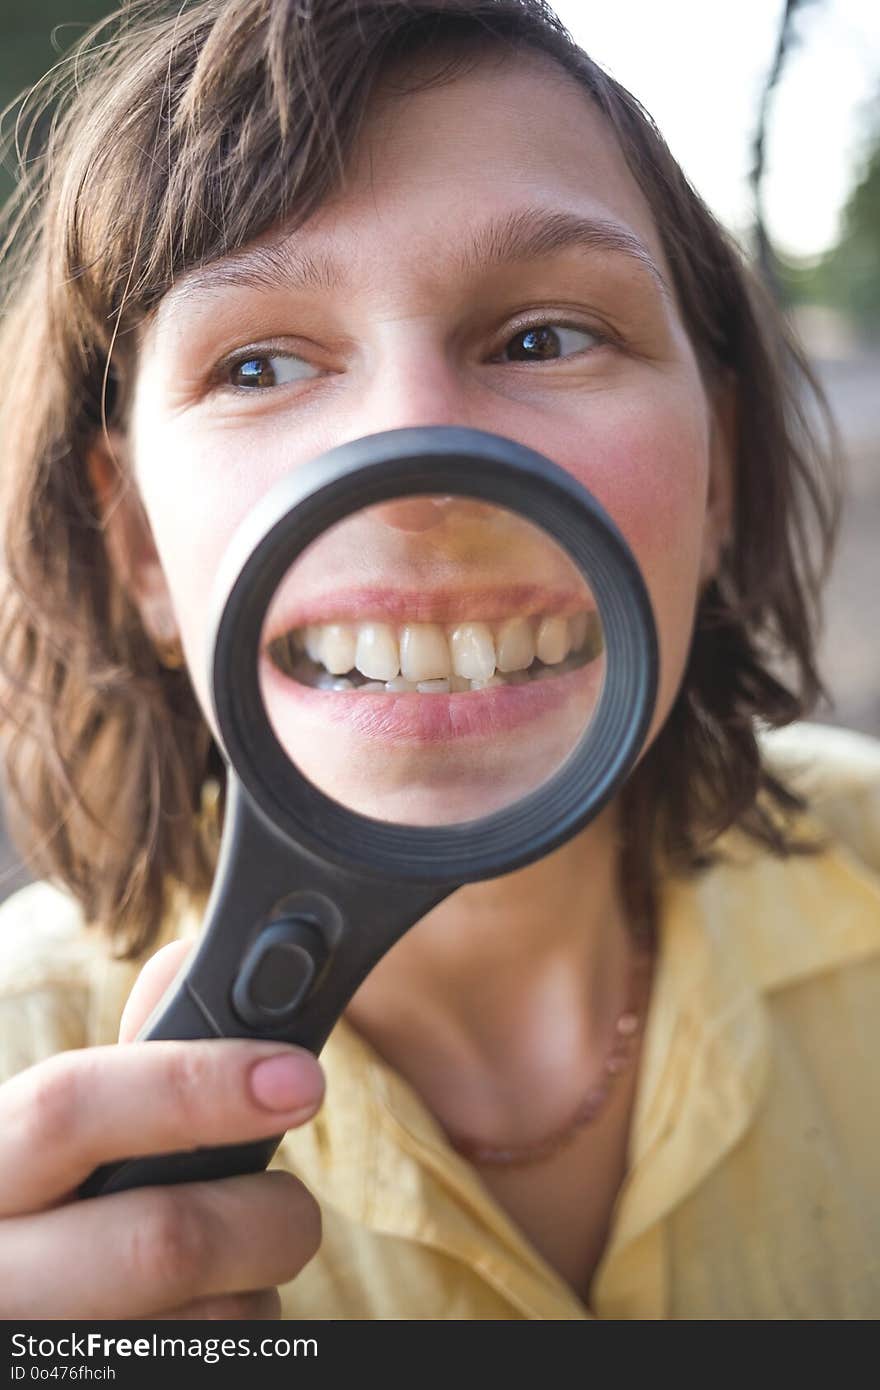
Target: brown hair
[180, 135]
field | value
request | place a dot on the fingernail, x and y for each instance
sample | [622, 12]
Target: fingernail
[290, 1081]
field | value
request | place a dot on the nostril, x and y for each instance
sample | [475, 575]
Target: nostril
[412, 513]
[421, 513]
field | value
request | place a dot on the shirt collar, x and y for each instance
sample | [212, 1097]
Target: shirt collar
[730, 938]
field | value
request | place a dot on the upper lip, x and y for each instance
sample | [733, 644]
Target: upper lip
[378, 603]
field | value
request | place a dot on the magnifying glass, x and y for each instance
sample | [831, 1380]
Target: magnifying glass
[434, 661]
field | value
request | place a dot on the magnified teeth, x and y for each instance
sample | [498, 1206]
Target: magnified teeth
[313, 641]
[473, 651]
[515, 645]
[287, 651]
[552, 640]
[432, 658]
[424, 652]
[377, 651]
[577, 630]
[594, 640]
[337, 647]
[330, 682]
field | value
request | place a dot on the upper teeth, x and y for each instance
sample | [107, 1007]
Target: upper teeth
[428, 651]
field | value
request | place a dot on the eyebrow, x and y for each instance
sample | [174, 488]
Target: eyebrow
[533, 233]
[523, 235]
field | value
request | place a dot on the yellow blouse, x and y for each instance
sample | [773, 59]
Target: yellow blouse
[753, 1186]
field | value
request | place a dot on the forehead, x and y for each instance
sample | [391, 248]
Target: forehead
[431, 167]
[506, 122]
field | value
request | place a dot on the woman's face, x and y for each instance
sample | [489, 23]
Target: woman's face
[490, 262]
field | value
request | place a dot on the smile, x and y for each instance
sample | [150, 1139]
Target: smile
[379, 657]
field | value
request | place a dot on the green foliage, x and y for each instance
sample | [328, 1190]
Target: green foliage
[33, 36]
[848, 276]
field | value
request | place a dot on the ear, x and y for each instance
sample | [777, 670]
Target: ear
[718, 531]
[129, 539]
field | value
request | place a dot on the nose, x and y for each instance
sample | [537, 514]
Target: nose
[415, 385]
[424, 513]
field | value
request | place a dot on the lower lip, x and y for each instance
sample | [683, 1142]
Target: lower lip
[429, 719]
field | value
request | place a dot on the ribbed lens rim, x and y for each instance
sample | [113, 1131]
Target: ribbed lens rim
[412, 462]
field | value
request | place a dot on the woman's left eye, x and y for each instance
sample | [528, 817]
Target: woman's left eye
[543, 342]
[268, 369]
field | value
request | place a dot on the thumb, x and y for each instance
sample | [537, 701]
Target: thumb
[150, 985]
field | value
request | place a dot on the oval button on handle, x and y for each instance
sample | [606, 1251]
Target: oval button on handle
[277, 973]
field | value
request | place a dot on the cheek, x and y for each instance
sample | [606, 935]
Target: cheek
[649, 469]
[192, 521]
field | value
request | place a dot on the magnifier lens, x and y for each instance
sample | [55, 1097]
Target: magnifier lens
[431, 660]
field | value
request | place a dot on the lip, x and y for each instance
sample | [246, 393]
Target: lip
[395, 718]
[375, 603]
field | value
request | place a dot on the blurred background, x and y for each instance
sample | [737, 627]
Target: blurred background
[772, 107]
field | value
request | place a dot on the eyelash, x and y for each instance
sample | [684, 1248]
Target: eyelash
[227, 368]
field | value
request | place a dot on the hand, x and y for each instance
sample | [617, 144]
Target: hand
[194, 1250]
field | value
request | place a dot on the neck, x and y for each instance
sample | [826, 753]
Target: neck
[510, 983]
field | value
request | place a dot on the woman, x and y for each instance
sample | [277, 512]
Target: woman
[349, 219]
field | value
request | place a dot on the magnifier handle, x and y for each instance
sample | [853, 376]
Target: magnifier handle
[180, 1019]
[160, 1170]
[271, 904]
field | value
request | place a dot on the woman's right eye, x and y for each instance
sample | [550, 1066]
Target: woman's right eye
[268, 369]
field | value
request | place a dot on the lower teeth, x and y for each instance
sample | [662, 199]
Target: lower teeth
[308, 673]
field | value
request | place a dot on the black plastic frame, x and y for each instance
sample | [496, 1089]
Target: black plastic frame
[378, 468]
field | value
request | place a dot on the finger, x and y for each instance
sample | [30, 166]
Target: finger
[150, 985]
[262, 1306]
[64, 1117]
[152, 1250]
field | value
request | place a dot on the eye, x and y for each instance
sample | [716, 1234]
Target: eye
[543, 342]
[265, 370]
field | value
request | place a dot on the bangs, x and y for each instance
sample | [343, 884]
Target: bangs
[209, 125]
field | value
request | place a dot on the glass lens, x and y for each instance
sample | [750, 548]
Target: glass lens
[431, 660]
